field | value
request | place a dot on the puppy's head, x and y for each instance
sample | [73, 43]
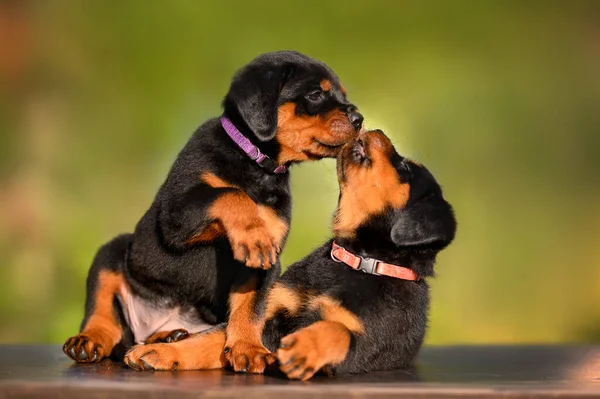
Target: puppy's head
[293, 106]
[387, 201]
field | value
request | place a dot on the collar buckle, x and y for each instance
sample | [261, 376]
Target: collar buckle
[267, 163]
[368, 265]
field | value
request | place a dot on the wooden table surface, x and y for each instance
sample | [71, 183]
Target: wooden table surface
[473, 371]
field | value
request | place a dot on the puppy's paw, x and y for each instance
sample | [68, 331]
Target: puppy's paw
[88, 347]
[298, 356]
[254, 246]
[247, 357]
[168, 336]
[153, 357]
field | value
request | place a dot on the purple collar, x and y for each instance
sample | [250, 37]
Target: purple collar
[250, 149]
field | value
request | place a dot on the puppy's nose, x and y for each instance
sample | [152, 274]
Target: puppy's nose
[355, 118]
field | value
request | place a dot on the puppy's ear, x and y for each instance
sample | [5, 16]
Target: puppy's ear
[254, 93]
[428, 222]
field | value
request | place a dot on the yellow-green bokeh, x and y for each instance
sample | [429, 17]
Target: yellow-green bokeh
[501, 100]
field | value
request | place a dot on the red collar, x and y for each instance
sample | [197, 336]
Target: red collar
[371, 266]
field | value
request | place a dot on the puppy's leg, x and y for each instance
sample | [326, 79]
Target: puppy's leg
[324, 343]
[250, 238]
[103, 326]
[201, 351]
[215, 208]
[244, 347]
[208, 350]
[308, 350]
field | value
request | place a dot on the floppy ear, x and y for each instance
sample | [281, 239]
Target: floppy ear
[429, 221]
[254, 93]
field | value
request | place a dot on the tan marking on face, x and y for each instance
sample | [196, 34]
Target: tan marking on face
[368, 191]
[304, 137]
[325, 85]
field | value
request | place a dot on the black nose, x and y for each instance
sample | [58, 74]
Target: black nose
[355, 118]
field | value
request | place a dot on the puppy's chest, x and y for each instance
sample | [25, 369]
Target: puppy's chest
[358, 292]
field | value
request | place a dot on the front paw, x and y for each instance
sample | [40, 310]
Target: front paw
[87, 347]
[153, 357]
[247, 357]
[254, 246]
[298, 356]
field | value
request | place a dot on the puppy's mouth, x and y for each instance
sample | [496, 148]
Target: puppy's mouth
[353, 154]
[320, 149]
[331, 146]
[358, 152]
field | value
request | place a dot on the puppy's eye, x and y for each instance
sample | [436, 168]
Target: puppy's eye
[314, 95]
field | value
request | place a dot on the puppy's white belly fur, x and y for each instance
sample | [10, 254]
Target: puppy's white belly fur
[145, 318]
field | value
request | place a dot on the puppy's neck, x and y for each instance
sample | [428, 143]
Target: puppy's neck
[421, 261]
[269, 148]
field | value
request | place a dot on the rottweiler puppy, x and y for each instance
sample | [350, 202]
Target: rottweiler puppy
[206, 252]
[359, 302]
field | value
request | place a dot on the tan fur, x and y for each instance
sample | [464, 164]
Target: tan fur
[277, 226]
[244, 332]
[332, 310]
[299, 136]
[245, 223]
[308, 350]
[282, 298]
[368, 191]
[325, 85]
[102, 331]
[203, 351]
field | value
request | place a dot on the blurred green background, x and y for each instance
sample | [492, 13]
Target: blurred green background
[500, 99]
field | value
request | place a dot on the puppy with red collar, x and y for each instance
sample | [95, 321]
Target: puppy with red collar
[360, 302]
